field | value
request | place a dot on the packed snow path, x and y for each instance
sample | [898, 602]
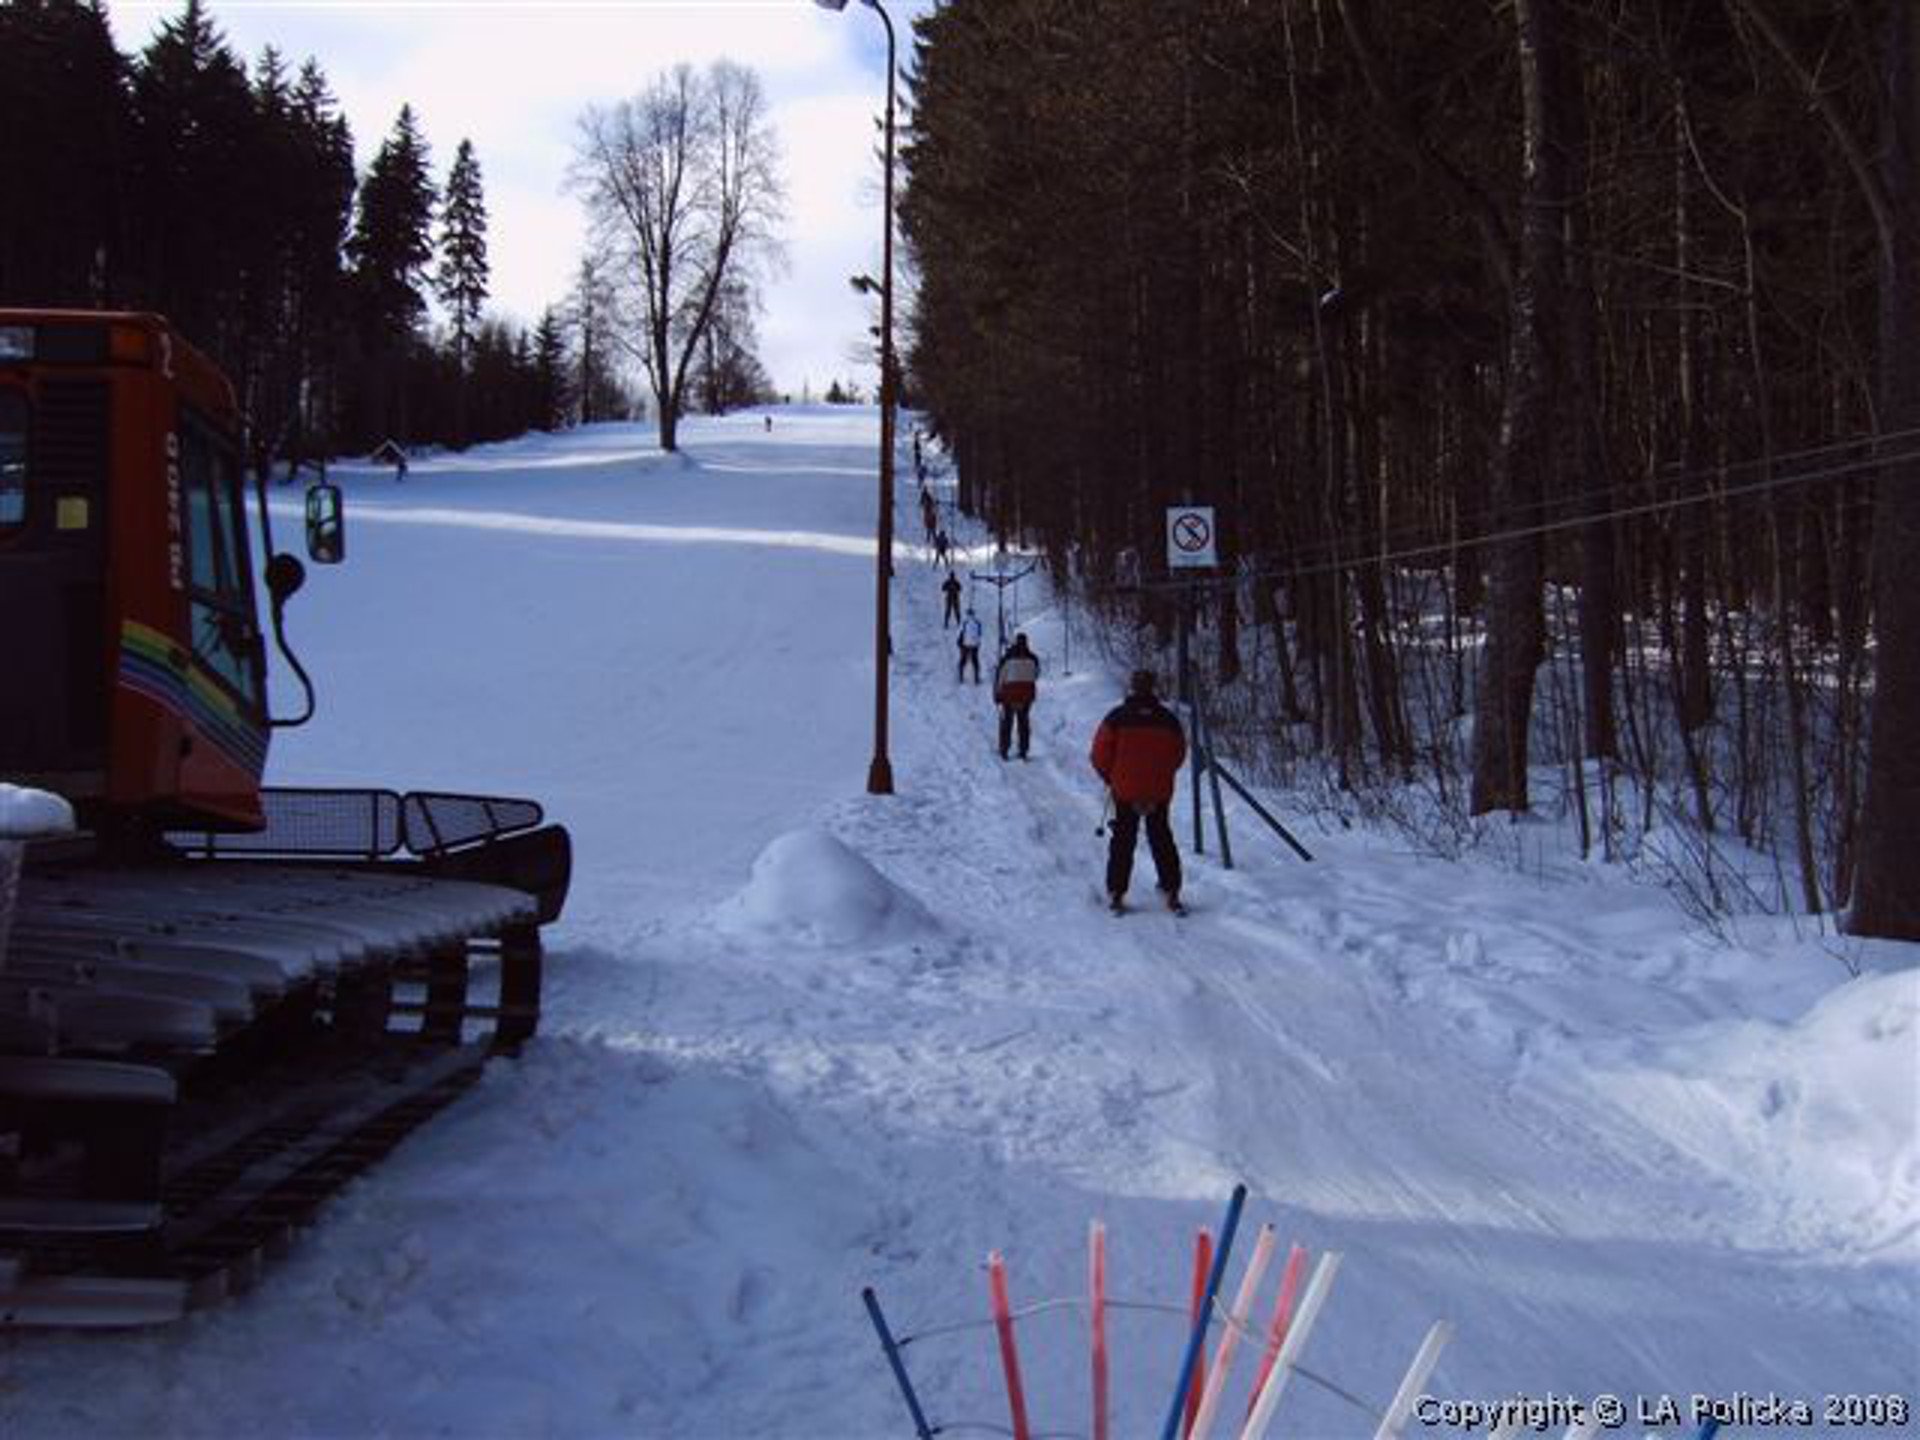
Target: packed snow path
[799, 1039]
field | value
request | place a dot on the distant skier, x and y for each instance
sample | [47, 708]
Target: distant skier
[769, 420]
[1014, 684]
[942, 548]
[1138, 750]
[950, 587]
[969, 646]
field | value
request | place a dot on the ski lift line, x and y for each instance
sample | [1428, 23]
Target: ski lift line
[1879, 437]
[1519, 532]
[1318, 567]
[1568, 501]
[1673, 471]
[1577, 497]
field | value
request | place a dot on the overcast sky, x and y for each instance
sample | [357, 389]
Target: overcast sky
[514, 76]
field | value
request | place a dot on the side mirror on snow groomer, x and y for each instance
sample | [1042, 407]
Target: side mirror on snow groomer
[326, 525]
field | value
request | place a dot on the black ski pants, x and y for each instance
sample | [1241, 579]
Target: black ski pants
[969, 655]
[1125, 831]
[952, 613]
[1011, 716]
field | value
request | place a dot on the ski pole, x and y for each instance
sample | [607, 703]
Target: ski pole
[1106, 818]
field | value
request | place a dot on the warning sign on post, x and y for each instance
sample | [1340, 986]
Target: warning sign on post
[1190, 537]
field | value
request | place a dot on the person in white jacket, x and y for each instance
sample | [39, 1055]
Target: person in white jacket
[969, 646]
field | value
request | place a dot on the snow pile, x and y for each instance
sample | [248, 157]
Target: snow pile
[810, 887]
[1823, 1111]
[26, 814]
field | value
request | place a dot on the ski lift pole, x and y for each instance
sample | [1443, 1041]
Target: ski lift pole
[1199, 1336]
[1261, 810]
[1205, 727]
[1066, 613]
[921, 1430]
[1189, 693]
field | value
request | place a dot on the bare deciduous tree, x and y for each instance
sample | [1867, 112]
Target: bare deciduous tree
[682, 184]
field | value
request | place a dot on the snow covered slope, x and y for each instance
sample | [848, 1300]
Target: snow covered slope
[802, 1040]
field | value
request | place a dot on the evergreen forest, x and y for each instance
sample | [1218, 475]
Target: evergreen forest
[225, 196]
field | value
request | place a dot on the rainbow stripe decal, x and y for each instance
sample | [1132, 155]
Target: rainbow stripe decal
[153, 666]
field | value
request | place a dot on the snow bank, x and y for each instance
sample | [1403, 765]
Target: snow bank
[810, 887]
[25, 814]
[1825, 1110]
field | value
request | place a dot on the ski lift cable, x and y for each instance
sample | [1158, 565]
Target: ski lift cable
[1327, 551]
[1519, 532]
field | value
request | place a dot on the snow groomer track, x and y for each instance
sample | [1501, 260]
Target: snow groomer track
[194, 1055]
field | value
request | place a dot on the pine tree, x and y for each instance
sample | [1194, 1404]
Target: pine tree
[194, 151]
[391, 247]
[324, 200]
[461, 281]
[728, 373]
[551, 392]
[590, 316]
[392, 238]
[65, 125]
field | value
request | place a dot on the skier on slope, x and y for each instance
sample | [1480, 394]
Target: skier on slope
[969, 646]
[1138, 751]
[1014, 683]
[950, 588]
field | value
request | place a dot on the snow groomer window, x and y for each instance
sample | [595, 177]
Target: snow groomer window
[13, 459]
[221, 605]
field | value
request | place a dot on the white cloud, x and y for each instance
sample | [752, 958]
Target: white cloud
[514, 77]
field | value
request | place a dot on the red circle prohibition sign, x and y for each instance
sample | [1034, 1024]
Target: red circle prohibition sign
[1192, 534]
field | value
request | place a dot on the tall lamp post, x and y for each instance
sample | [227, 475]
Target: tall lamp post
[880, 771]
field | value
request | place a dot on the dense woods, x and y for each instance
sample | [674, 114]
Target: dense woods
[226, 197]
[1554, 366]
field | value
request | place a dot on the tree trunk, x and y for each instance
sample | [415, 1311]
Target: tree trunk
[1886, 894]
[1522, 464]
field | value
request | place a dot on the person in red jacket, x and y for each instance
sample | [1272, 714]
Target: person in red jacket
[1014, 683]
[1138, 751]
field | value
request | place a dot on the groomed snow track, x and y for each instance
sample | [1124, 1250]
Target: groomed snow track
[194, 1055]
